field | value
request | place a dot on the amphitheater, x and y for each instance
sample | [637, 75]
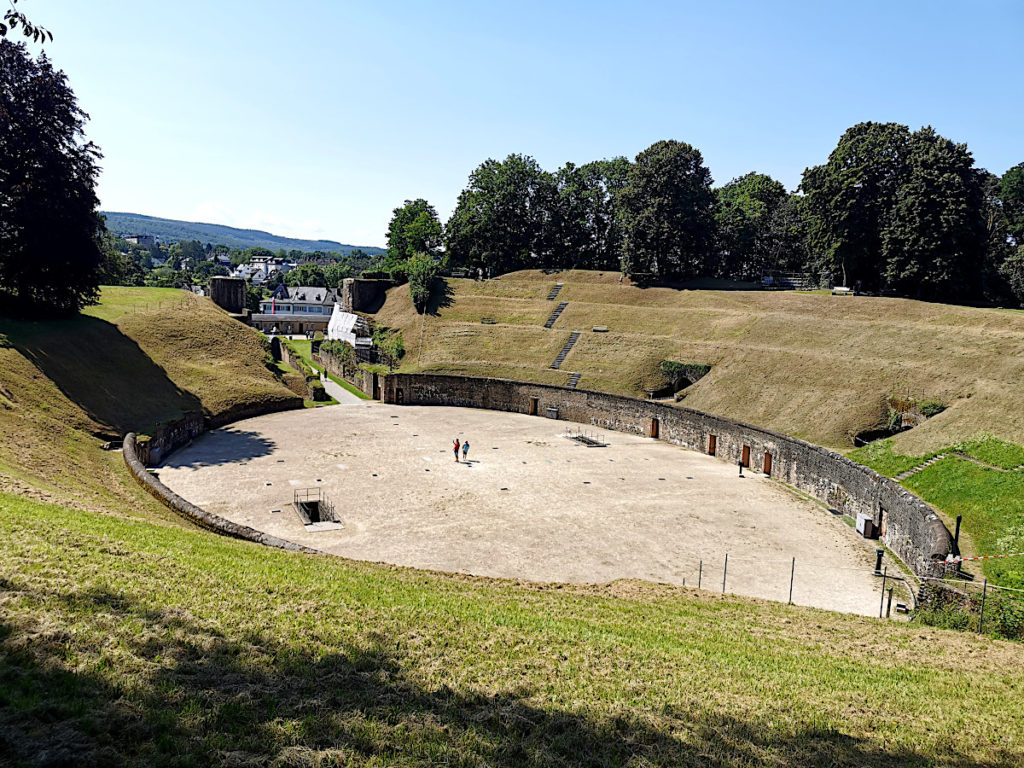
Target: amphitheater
[531, 503]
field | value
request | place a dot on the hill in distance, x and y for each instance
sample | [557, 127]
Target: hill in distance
[172, 231]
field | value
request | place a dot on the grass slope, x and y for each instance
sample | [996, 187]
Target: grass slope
[991, 501]
[124, 642]
[141, 357]
[808, 364]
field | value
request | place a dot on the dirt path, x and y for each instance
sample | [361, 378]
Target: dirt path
[529, 504]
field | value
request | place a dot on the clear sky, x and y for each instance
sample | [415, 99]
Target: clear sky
[315, 118]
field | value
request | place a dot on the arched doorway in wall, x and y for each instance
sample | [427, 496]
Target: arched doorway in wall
[746, 456]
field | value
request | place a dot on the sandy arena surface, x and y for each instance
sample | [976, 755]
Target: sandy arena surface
[530, 504]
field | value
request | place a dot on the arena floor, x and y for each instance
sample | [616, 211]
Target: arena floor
[529, 504]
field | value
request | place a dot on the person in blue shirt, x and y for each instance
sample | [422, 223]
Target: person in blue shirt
[465, 450]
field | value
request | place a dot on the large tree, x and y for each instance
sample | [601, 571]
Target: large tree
[501, 219]
[1011, 194]
[849, 198]
[582, 227]
[667, 212]
[934, 236]
[49, 226]
[414, 228]
[744, 216]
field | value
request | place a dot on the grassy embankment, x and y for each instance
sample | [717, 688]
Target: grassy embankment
[811, 365]
[142, 357]
[990, 498]
[124, 640]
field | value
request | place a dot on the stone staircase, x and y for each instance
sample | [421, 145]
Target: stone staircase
[554, 291]
[554, 315]
[914, 470]
[565, 350]
[574, 380]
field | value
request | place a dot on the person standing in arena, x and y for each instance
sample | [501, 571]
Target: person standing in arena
[465, 450]
[456, 448]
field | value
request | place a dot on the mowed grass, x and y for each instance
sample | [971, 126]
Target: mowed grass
[127, 642]
[991, 501]
[811, 365]
[140, 358]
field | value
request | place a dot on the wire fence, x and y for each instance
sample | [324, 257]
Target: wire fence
[880, 591]
[977, 606]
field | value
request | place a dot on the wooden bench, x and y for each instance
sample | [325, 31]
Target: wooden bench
[842, 290]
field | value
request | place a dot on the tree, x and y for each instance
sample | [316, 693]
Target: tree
[849, 198]
[582, 230]
[667, 212]
[307, 275]
[335, 274]
[422, 269]
[253, 297]
[744, 217]
[1012, 198]
[934, 237]
[49, 225]
[414, 228]
[900, 211]
[13, 18]
[500, 218]
[119, 267]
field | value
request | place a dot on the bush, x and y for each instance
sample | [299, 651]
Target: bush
[389, 344]
[931, 408]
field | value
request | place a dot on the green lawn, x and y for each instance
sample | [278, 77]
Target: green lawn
[994, 451]
[880, 457]
[128, 642]
[992, 503]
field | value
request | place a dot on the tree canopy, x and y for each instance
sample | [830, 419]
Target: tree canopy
[667, 212]
[49, 225]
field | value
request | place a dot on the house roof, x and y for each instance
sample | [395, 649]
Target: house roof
[309, 294]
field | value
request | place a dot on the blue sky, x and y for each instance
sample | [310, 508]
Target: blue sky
[319, 122]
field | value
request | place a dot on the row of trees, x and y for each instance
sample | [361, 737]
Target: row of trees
[891, 210]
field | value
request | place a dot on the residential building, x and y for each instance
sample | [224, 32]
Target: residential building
[290, 309]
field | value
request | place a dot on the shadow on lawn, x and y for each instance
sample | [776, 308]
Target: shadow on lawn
[226, 445]
[198, 697]
[102, 371]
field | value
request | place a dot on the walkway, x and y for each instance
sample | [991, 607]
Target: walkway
[339, 393]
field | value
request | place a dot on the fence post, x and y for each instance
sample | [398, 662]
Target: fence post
[700, 573]
[888, 605]
[792, 573]
[725, 571]
[981, 619]
[881, 602]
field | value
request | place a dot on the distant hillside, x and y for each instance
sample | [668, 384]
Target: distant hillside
[171, 231]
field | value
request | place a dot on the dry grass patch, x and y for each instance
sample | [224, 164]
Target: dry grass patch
[812, 365]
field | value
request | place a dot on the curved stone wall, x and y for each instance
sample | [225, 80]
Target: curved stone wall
[907, 525]
[196, 514]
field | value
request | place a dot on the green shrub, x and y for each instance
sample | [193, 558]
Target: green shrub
[390, 344]
[931, 408]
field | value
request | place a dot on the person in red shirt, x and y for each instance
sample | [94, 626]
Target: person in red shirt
[456, 449]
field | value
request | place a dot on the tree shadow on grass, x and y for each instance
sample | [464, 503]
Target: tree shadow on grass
[442, 296]
[195, 696]
[227, 445]
[102, 371]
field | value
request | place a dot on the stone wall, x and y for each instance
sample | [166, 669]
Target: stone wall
[152, 449]
[358, 378]
[190, 511]
[358, 295]
[909, 527]
[228, 293]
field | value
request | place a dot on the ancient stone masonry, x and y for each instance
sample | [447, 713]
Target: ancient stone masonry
[358, 295]
[228, 293]
[196, 514]
[907, 525]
